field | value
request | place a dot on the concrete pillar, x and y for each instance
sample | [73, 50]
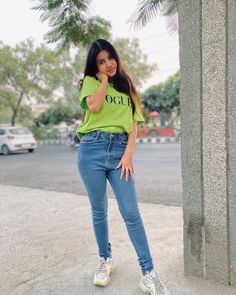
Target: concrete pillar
[207, 30]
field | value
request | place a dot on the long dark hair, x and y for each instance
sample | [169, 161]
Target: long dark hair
[121, 81]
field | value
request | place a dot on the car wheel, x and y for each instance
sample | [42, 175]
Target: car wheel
[31, 150]
[5, 150]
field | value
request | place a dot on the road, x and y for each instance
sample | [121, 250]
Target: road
[157, 171]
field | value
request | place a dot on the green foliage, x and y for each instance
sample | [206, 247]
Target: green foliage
[5, 115]
[71, 71]
[45, 125]
[56, 114]
[148, 9]
[164, 97]
[45, 132]
[31, 75]
[26, 73]
[70, 22]
[25, 116]
[134, 61]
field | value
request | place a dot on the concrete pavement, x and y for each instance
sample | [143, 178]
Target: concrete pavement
[47, 247]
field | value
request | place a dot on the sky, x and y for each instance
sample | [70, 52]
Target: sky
[19, 22]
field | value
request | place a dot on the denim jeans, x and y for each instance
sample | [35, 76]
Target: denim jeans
[99, 154]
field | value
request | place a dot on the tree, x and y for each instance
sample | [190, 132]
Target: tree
[135, 62]
[26, 75]
[71, 69]
[147, 9]
[56, 114]
[70, 22]
[164, 97]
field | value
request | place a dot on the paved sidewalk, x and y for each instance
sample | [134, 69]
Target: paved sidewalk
[48, 248]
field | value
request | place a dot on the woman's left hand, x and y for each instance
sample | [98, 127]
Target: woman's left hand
[127, 168]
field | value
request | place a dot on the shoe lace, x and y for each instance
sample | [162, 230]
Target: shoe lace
[154, 284]
[102, 266]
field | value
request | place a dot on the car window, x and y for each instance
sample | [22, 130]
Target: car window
[2, 131]
[19, 131]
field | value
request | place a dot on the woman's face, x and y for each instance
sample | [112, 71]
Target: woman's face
[106, 63]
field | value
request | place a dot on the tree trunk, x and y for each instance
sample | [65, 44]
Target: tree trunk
[16, 109]
[13, 118]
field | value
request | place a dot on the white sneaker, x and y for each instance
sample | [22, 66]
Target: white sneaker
[151, 284]
[103, 272]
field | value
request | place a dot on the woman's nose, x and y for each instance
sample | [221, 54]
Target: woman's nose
[108, 63]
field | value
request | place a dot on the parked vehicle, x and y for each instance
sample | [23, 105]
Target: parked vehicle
[13, 139]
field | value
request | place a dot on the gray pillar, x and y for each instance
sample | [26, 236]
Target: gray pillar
[232, 135]
[207, 30]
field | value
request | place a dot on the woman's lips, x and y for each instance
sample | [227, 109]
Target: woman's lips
[111, 71]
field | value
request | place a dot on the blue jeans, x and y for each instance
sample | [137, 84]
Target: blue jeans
[99, 154]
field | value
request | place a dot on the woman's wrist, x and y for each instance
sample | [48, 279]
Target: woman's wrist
[129, 152]
[104, 79]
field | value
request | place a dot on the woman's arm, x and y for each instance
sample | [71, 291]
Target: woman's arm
[126, 162]
[95, 101]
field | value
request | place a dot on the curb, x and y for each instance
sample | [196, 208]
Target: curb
[158, 140]
[51, 142]
[138, 140]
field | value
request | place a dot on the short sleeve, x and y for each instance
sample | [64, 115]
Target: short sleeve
[138, 116]
[89, 87]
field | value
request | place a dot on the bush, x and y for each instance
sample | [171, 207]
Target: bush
[45, 132]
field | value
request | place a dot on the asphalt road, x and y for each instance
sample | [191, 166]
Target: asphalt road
[157, 171]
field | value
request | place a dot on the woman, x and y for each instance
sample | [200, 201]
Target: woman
[108, 134]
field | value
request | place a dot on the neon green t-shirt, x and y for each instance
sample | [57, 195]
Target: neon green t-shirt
[115, 115]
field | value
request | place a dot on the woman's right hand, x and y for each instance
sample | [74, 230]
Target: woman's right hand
[101, 76]
[96, 101]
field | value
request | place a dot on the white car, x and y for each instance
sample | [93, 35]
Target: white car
[13, 139]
